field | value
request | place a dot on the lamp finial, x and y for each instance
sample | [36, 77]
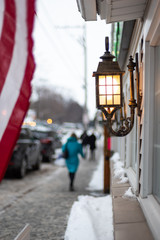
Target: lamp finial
[107, 55]
[107, 44]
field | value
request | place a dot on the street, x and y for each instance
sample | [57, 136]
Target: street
[41, 199]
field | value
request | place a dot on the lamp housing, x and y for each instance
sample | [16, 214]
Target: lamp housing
[109, 97]
[108, 83]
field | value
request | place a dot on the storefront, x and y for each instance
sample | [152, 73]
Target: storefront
[140, 149]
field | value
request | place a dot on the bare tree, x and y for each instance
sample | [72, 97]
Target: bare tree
[51, 104]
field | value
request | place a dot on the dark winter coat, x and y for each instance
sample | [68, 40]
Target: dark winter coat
[74, 148]
[92, 141]
[85, 139]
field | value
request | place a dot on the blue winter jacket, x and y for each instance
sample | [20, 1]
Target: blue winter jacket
[74, 148]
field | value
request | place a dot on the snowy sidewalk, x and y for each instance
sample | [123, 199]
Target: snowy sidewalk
[91, 216]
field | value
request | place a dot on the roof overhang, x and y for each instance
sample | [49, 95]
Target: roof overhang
[88, 9]
[112, 10]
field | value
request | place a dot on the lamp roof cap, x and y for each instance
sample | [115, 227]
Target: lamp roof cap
[107, 56]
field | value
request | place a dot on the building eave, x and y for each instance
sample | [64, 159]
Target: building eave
[88, 9]
[112, 10]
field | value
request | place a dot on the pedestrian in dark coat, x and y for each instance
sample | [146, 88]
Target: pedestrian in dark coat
[92, 144]
[72, 162]
[85, 141]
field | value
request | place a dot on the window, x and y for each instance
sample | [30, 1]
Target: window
[156, 145]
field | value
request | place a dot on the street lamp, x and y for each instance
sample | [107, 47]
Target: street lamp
[109, 95]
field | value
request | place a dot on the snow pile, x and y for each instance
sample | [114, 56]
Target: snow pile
[129, 194]
[90, 218]
[96, 182]
[59, 160]
[119, 171]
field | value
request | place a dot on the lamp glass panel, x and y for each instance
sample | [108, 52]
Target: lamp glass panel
[102, 100]
[116, 89]
[102, 90]
[102, 80]
[117, 99]
[116, 79]
[109, 90]
[109, 79]
[109, 100]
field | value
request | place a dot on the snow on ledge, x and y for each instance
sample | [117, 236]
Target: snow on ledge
[129, 194]
[118, 166]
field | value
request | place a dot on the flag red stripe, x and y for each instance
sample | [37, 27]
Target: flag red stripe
[7, 43]
[12, 131]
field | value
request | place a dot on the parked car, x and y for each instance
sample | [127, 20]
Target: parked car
[26, 154]
[49, 141]
[45, 135]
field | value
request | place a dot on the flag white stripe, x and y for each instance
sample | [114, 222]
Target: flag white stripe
[12, 86]
[2, 6]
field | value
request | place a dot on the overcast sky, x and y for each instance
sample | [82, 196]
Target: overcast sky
[59, 53]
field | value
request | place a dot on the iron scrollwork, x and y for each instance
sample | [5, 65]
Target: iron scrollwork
[125, 124]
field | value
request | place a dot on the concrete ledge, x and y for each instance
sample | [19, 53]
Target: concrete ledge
[127, 211]
[128, 218]
[132, 231]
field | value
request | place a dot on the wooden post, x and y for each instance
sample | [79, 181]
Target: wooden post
[106, 162]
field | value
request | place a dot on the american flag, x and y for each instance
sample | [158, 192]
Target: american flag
[16, 71]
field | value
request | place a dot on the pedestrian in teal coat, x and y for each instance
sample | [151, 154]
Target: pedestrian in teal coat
[72, 162]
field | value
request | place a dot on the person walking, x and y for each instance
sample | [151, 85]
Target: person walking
[92, 144]
[84, 138]
[72, 161]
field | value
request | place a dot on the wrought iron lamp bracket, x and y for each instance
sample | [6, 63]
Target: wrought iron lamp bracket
[126, 124]
[109, 114]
